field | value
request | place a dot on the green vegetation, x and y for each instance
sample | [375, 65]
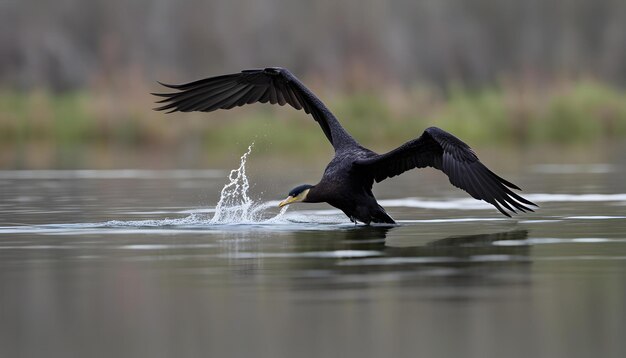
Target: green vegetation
[573, 113]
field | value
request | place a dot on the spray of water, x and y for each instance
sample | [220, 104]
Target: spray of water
[235, 205]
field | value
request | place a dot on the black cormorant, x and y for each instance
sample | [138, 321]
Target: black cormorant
[348, 179]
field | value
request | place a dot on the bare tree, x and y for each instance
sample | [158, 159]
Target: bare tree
[66, 44]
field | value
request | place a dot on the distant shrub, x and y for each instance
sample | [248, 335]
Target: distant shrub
[578, 112]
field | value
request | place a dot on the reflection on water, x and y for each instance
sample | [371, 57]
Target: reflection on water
[116, 264]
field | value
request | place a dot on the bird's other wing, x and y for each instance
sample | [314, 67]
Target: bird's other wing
[274, 85]
[441, 150]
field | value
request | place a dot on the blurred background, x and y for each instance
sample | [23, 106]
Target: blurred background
[75, 75]
[118, 258]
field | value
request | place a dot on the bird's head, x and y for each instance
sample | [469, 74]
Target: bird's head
[297, 194]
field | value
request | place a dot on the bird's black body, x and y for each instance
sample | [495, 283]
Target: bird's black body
[345, 188]
[348, 179]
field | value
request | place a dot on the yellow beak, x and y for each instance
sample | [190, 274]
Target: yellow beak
[290, 199]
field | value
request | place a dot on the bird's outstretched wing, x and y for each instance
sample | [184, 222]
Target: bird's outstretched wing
[441, 150]
[274, 85]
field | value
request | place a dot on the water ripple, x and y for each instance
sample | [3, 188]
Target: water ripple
[598, 168]
[472, 204]
[111, 174]
[310, 254]
[553, 240]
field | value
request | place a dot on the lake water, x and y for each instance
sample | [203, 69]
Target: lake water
[116, 263]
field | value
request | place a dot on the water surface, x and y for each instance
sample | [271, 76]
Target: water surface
[134, 263]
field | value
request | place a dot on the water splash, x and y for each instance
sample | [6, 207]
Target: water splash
[235, 205]
[235, 210]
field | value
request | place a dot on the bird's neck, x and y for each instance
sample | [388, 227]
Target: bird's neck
[341, 138]
[314, 195]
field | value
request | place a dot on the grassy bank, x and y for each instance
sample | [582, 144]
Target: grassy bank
[581, 112]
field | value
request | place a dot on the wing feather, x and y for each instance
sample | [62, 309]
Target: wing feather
[257, 93]
[293, 99]
[266, 96]
[441, 150]
[274, 85]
